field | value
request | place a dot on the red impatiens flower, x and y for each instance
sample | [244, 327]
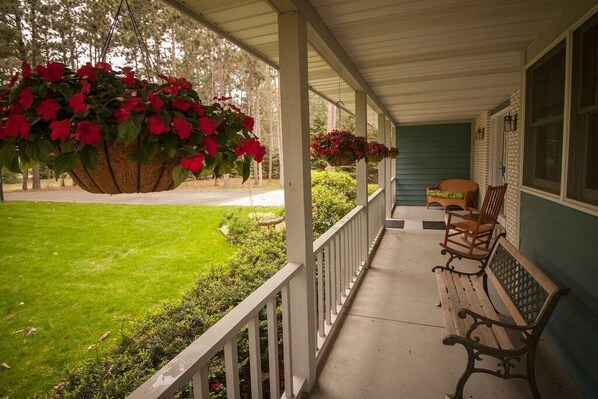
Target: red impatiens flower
[129, 78]
[134, 103]
[194, 163]
[251, 147]
[121, 115]
[13, 80]
[199, 109]
[182, 127]
[17, 125]
[207, 125]
[181, 104]
[156, 125]
[104, 66]
[248, 123]
[211, 145]
[85, 86]
[155, 101]
[47, 109]
[87, 71]
[88, 132]
[215, 384]
[26, 98]
[3, 132]
[52, 72]
[77, 102]
[60, 129]
[26, 69]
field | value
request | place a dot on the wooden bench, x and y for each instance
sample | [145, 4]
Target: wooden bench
[467, 188]
[471, 320]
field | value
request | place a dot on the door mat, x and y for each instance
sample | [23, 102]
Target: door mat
[395, 224]
[434, 225]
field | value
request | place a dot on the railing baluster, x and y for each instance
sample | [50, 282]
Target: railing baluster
[286, 338]
[327, 285]
[273, 349]
[347, 261]
[320, 301]
[334, 261]
[255, 357]
[201, 384]
[231, 364]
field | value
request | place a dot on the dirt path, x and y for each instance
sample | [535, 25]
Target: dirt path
[241, 197]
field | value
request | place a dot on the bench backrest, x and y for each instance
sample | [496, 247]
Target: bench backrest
[527, 292]
[461, 185]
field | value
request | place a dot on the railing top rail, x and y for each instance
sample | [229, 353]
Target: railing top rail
[393, 178]
[322, 240]
[180, 370]
[375, 194]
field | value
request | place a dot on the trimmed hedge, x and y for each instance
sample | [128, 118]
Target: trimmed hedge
[333, 196]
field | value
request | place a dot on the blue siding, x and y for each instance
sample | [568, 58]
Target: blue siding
[429, 154]
[563, 242]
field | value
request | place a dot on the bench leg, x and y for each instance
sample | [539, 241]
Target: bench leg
[469, 369]
[531, 373]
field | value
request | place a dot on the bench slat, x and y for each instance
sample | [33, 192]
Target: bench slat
[447, 311]
[463, 302]
[477, 306]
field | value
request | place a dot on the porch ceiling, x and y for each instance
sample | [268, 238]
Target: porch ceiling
[418, 60]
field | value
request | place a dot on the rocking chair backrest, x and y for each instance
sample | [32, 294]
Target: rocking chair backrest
[492, 204]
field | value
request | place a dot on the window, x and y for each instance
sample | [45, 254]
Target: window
[582, 181]
[545, 103]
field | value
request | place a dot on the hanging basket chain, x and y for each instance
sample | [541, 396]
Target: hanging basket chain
[140, 41]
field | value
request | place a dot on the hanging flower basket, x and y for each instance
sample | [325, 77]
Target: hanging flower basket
[339, 147]
[115, 133]
[376, 152]
[393, 152]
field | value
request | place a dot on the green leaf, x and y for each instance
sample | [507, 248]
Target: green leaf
[41, 150]
[129, 130]
[89, 157]
[65, 163]
[65, 90]
[246, 169]
[179, 174]
[25, 162]
[145, 152]
[171, 144]
[8, 157]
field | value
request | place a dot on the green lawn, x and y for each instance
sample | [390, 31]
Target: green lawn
[76, 271]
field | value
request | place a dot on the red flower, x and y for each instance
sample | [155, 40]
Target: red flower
[134, 103]
[47, 109]
[182, 127]
[3, 132]
[26, 98]
[156, 125]
[87, 71]
[122, 114]
[85, 87]
[77, 102]
[103, 66]
[248, 123]
[181, 104]
[207, 125]
[215, 384]
[52, 72]
[26, 69]
[17, 125]
[211, 145]
[251, 147]
[199, 109]
[129, 78]
[88, 132]
[13, 80]
[194, 163]
[155, 101]
[60, 129]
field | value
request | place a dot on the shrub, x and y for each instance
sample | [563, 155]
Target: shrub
[333, 196]
[150, 343]
[341, 182]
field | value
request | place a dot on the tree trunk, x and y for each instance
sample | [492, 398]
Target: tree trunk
[36, 180]
[270, 133]
[173, 46]
[258, 133]
[279, 135]
[25, 174]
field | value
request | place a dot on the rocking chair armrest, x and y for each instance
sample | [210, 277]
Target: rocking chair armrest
[460, 214]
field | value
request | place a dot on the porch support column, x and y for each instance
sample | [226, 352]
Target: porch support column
[361, 171]
[389, 171]
[292, 36]
[382, 133]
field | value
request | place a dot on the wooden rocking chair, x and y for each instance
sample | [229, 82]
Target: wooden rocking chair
[469, 237]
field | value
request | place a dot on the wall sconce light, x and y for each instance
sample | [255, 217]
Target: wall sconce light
[510, 123]
[479, 134]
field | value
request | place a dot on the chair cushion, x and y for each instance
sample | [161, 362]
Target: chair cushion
[446, 194]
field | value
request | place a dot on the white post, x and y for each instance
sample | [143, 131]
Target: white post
[382, 134]
[388, 175]
[361, 171]
[292, 38]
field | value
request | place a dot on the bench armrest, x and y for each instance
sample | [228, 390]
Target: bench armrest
[483, 320]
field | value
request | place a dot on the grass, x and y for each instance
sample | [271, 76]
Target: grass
[76, 271]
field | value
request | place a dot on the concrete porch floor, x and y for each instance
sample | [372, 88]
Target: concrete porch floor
[390, 344]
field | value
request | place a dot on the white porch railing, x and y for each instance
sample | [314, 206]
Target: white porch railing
[340, 255]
